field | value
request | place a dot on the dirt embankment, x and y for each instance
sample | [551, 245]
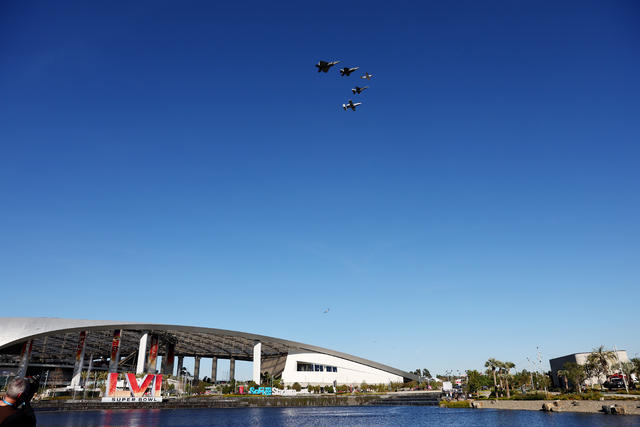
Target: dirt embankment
[631, 407]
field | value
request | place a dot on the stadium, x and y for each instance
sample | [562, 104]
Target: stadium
[30, 346]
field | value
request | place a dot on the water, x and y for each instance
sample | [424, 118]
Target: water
[329, 416]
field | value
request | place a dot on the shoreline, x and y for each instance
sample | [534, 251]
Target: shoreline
[631, 407]
[241, 402]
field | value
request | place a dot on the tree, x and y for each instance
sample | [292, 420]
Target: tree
[544, 380]
[200, 388]
[563, 373]
[627, 369]
[576, 374]
[493, 364]
[636, 366]
[506, 367]
[296, 386]
[426, 373]
[476, 380]
[599, 360]
[520, 379]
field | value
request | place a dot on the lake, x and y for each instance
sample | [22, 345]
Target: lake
[328, 416]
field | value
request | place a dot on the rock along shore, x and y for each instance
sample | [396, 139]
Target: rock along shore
[631, 407]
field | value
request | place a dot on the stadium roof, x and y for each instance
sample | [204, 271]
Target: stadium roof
[55, 341]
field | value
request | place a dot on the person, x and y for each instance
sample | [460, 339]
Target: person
[15, 406]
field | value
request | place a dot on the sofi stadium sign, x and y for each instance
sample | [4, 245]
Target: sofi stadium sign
[145, 389]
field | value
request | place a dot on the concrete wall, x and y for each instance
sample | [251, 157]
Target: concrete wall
[348, 372]
[586, 406]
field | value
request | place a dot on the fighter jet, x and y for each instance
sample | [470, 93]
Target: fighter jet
[366, 76]
[351, 105]
[358, 90]
[324, 65]
[346, 71]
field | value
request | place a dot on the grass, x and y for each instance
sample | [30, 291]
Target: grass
[455, 404]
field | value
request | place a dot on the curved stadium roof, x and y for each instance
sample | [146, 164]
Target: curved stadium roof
[55, 341]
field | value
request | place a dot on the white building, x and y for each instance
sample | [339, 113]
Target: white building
[325, 369]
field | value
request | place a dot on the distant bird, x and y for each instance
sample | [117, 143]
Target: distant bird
[326, 311]
[366, 76]
[358, 89]
[351, 105]
[346, 71]
[324, 65]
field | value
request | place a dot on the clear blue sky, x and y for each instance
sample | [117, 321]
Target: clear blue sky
[183, 162]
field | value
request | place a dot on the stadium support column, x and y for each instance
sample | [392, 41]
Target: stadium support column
[152, 357]
[180, 365]
[214, 369]
[257, 355]
[25, 355]
[169, 359]
[196, 368]
[142, 353]
[232, 369]
[115, 350]
[77, 367]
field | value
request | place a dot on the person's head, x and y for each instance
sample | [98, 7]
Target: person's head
[16, 387]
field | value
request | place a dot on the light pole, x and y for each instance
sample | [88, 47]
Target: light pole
[531, 366]
[540, 364]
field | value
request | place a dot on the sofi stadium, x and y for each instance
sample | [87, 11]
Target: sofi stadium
[31, 346]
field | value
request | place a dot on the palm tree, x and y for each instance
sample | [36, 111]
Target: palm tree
[627, 369]
[564, 374]
[506, 367]
[493, 364]
[600, 359]
[636, 364]
[576, 374]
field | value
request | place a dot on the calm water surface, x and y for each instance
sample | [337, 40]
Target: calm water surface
[332, 416]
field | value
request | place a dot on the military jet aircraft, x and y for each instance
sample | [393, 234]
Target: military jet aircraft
[346, 71]
[358, 90]
[351, 105]
[366, 76]
[324, 65]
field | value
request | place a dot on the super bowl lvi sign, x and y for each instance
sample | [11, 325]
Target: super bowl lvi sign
[145, 389]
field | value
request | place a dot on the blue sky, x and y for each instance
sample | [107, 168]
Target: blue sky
[183, 162]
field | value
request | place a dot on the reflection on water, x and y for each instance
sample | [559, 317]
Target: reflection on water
[328, 416]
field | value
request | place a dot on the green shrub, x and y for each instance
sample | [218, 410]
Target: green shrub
[455, 404]
[590, 395]
[342, 388]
